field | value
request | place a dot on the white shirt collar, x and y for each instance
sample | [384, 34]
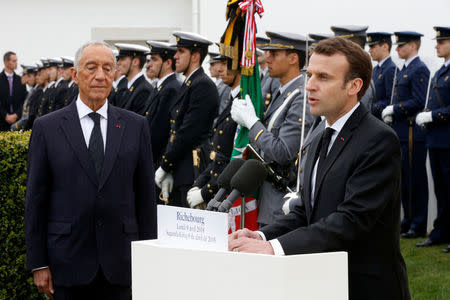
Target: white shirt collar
[84, 110]
[337, 126]
[447, 63]
[234, 92]
[130, 83]
[70, 83]
[218, 81]
[382, 62]
[187, 78]
[160, 81]
[409, 60]
[59, 80]
[9, 74]
[116, 82]
[51, 84]
[284, 87]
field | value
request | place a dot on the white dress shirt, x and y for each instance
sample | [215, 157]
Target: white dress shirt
[382, 62]
[409, 60]
[337, 126]
[160, 81]
[130, 83]
[87, 124]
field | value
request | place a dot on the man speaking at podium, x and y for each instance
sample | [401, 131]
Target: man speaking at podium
[351, 189]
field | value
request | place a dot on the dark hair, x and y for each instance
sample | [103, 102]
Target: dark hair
[360, 64]
[8, 55]
[360, 40]
[301, 57]
[167, 56]
[142, 60]
[203, 52]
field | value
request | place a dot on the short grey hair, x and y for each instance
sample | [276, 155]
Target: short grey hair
[91, 43]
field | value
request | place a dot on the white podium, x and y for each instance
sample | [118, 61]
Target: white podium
[161, 272]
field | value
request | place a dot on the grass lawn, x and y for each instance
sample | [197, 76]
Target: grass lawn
[428, 270]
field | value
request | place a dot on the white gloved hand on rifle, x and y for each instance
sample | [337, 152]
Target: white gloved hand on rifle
[243, 112]
[424, 117]
[194, 197]
[387, 114]
[167, 185]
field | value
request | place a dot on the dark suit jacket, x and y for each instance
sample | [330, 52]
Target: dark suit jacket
[75, 223]
[193, 113]
[137, 95]
[158, 115]
[356, 209]
[115, 97]
[17, 99]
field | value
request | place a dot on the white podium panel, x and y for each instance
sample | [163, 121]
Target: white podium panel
[161, 272]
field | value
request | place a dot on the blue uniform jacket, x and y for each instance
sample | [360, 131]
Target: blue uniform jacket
[409, 99]
[383, 76]
[438, 132]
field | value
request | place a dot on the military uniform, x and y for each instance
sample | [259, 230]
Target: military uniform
[139, 89]
[382, 75]
[437, 136]
[409, 99]
[120, 87]
[357, 34]
[192, 113]
[21, 124]
[277, 137]
[160, 103]
[222, 144]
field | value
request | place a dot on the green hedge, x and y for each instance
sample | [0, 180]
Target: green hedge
[15, 281]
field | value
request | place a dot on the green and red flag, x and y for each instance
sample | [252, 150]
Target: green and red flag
[239, 44]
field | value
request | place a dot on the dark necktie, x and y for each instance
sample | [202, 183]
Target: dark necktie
[96, 144]
[324, 143]
[10, 81]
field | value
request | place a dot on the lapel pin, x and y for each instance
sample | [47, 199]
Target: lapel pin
[342, 139]
[117, 126]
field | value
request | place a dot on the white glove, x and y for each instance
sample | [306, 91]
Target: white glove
[167, 185]
[387, 111]
[424, 117]
[194, 197]
[160, 174]
[287, 200]
[243, 112]
[388, 119]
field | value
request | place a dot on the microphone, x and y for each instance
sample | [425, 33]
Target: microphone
[246, 181]
[224, 182]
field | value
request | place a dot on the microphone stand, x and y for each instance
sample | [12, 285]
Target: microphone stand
[242, 211]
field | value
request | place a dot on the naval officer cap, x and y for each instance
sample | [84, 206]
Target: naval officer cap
[374, 38]
[215, 57]
[45, 62]
[191, 40]
[442, 33]
[403, 37]
[27, 69]
[285, 41]
[40, 65]
[67, 61]
[161, 48]
[55, 61]
[131, 50]
[349, 31]
[317, 37]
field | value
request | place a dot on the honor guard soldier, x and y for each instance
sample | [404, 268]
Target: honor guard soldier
[436, 118]
[61, 85]
[192, 114]
[409, 99]
[49, 92]
[277, 136]
[132, 59]
[269, 85]
[35, 100]
[29, 73]
[217, 68]
[160, 102]
[380, 45]
[119, 83]
[222, 143]
[357, 34]
[47, 76]
[71, 92]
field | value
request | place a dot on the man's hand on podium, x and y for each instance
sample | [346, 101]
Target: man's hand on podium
[245, 240]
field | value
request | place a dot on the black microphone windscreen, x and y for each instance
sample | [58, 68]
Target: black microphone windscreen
[225, 177]
[249, 177]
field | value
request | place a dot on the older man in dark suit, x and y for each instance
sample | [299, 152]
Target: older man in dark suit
[12, 92]
[351, 188]
[90, 189]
